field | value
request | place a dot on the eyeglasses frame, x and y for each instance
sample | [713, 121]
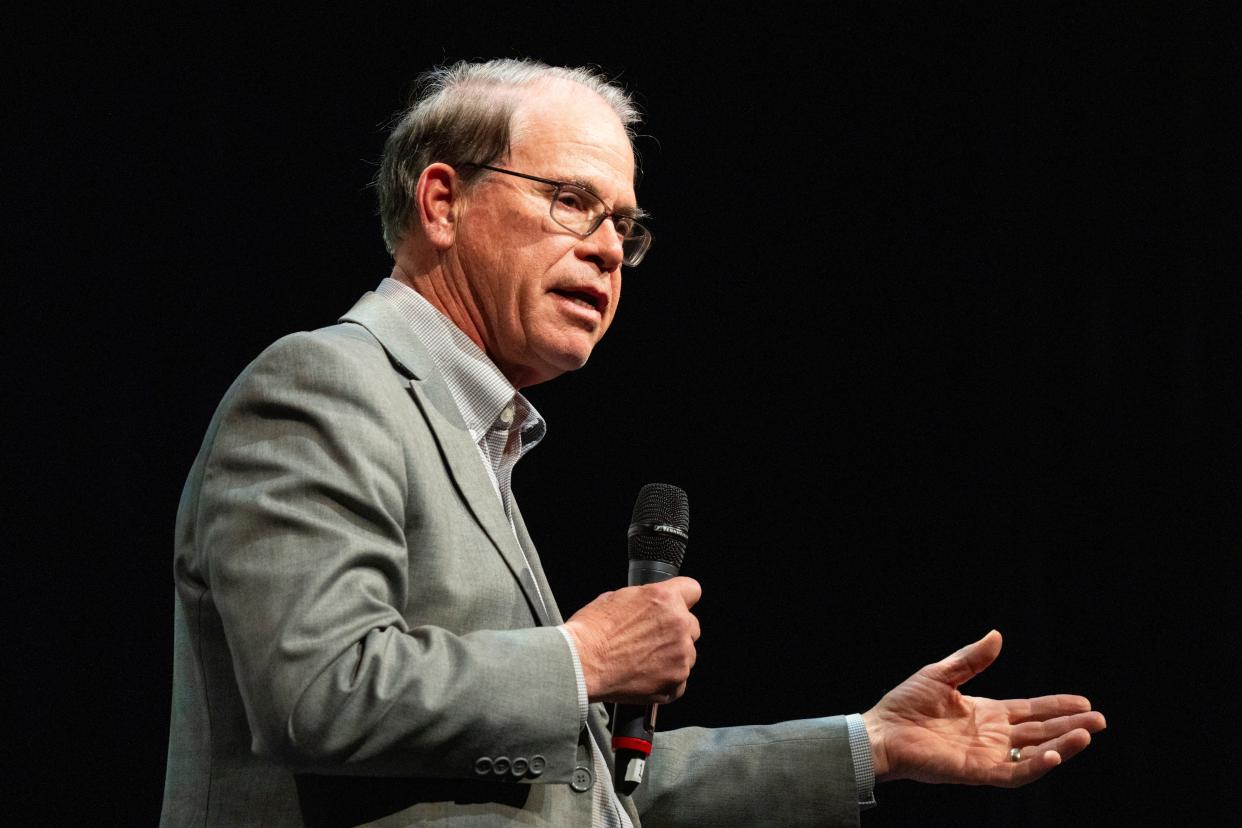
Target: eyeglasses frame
[552, 206]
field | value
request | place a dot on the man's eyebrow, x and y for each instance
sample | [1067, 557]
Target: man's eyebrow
[635, 213]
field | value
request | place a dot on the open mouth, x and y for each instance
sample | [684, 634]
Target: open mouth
[581, 297]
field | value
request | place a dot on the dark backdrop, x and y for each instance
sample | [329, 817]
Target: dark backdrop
[938, 333]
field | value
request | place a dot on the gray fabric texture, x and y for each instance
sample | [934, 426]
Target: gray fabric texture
[356, 626]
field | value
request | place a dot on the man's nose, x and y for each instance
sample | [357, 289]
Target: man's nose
[604, 246]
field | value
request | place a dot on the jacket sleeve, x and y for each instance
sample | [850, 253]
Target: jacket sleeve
[792, 773]
[300, 534]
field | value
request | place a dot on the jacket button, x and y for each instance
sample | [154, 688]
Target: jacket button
[483, 766]
[500, 765]
[520, 767]
[581, 779]
[537, 764]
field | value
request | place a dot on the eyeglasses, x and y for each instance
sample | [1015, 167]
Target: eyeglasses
[581, 212]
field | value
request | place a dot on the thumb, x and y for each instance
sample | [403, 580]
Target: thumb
[688, 588]
[968, 662]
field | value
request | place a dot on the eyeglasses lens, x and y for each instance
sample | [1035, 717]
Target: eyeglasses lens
[578, 210]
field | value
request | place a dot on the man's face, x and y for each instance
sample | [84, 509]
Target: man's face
[540, 297]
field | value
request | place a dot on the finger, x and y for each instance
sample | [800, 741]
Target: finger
[1071, 744]
[967, 662]
[688, 588]
[1036, 760]
[1065, 746]
[1034, 733]
[671, 694]
[1032, 766]
[1045, 707]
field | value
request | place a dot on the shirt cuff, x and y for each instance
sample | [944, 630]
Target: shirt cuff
[860, 752]
[582, 691]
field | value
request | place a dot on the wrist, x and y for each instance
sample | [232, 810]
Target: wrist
[585, 657]
[579, 680]
[879, 752]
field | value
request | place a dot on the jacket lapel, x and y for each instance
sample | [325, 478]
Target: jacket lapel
[457, 449]
[536, 567]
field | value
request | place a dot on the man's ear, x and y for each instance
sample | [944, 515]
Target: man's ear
[438, 196]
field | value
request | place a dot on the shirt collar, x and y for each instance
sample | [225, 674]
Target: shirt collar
[483, 394]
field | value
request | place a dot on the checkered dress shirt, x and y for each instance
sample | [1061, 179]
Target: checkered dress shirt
[504, 425]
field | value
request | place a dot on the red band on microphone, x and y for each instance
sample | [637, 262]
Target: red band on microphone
[630, 743]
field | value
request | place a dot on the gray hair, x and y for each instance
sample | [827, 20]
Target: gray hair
[462, 114]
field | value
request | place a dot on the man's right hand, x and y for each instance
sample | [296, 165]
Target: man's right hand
[637, 644]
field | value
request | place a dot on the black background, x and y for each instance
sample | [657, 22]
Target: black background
[939, 333]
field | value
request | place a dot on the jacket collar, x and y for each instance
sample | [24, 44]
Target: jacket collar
[410, 358]
[405, 349]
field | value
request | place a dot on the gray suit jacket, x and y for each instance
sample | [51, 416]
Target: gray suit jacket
[358, 639]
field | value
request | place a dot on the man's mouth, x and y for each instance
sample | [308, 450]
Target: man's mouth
[587, 299]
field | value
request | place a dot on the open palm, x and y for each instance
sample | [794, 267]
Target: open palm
[926, 730]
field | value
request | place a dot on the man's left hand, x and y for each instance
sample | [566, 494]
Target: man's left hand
[926, 730]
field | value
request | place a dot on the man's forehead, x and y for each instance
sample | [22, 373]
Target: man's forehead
[567, 125]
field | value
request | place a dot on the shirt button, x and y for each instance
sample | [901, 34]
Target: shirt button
[506, 414]
[581, 779]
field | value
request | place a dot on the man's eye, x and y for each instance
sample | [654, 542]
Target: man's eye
[624, 225]
[571, 200]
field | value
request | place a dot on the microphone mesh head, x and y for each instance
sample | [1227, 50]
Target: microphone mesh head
[660, 504]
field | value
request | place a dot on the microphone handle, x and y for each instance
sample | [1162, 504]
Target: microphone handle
[633, 725]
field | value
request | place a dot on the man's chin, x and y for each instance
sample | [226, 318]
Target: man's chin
[558, 361]
[564, 363]
[548, 366]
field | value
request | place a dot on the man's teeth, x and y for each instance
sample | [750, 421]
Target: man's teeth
[578, 298]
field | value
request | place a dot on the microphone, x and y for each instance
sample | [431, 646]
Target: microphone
[657, 537]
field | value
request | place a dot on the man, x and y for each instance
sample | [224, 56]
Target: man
[364, 633]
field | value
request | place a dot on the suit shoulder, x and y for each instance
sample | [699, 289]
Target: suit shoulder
[343, 362]
[341, 343]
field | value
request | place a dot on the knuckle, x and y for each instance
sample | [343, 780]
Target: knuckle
[652, 594]
[672, 692]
